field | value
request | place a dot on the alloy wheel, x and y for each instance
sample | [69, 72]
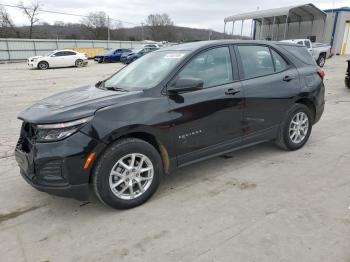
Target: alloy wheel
[298, 127]
[131, 176]
[322, 62]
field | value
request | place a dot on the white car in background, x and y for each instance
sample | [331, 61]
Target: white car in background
[58, 58]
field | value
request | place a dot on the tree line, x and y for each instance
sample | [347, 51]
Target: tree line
[98, 26]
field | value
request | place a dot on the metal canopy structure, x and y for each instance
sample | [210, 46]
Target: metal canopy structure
[283, 15]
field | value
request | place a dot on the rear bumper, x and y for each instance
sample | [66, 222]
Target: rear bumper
[347, 81]
[319, 112]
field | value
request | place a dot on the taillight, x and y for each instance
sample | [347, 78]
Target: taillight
[321, 73]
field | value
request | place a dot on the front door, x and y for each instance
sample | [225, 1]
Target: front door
[208, 121]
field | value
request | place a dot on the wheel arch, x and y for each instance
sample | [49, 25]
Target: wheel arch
[322, 54]
[310, 104]
[147, 137]
[41, 61]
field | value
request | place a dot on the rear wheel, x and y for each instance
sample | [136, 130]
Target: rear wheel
[43, 65]
[106, 60]
[296, 129]
[127, 174]
[321, 60]
[79, 63]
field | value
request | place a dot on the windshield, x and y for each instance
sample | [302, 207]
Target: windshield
[146, 72]
[138, 50]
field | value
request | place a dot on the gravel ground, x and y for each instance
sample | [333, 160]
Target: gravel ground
[257, 204]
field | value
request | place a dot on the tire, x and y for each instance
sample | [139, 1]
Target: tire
[106, 60]
[321, 60]
[79, 63]
[109, 170]
[100, 60]
[43, 65]
[285, 139]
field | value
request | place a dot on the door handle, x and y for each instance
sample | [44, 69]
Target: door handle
[288, 78]
[232, 91]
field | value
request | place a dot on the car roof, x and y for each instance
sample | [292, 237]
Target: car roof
[294, 40]
[193, 46]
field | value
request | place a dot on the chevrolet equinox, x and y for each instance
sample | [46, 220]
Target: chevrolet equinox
[170, 108]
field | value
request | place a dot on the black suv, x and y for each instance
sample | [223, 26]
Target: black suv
[170, 108]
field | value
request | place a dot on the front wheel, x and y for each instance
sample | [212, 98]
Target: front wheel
[127, 174]
[296, 128]
[43, 65]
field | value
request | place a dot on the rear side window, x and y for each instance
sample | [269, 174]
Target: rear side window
[300, 43]
[212, 66]
[69, 53]
[60, 53]
[256, 60]
[301, 53]
[280, 63]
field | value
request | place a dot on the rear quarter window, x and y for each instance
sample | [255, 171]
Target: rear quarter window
[300, 52]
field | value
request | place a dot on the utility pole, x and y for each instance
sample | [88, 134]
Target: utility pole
[142, 31]
[108, 33]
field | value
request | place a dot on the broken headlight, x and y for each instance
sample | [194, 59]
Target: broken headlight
[59, 131]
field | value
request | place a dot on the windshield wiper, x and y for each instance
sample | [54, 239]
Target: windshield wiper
[101, 84]
[114, 88]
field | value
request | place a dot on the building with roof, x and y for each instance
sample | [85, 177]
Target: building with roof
[330, 26]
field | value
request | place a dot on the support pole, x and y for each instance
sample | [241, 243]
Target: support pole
[312, 27]
[242, 29]
[324, 30]
[233, 27]
[34, 45]
[262, 29]
[251, 29]
[8, 49]
[273, 27]
[285, 27]
[224, 27]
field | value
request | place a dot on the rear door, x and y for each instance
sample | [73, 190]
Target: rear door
[208, 121]
[69, 58]
[270, 83]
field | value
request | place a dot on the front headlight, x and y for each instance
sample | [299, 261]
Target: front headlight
[59, 131]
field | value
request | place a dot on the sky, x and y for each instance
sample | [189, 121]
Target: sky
[207, 14]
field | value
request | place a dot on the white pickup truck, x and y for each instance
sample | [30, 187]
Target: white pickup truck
[318, 50]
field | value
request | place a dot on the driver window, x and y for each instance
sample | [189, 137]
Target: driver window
[212, 66]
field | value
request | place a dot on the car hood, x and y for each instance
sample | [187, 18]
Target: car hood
[32, 57]
[70, 105]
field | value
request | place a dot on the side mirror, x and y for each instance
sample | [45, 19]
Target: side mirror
[186, 85]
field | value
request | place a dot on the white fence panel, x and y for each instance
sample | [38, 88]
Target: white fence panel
[21, 49]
